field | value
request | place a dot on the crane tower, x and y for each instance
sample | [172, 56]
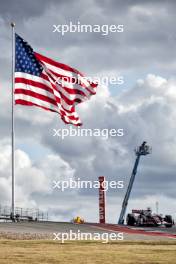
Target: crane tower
[142, 150]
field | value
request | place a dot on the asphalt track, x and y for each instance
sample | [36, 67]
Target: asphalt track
[38, 230]
[159, 232]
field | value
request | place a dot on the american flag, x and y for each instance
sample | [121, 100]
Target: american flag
[53, 86]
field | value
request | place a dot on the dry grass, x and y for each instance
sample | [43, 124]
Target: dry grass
[46, 252]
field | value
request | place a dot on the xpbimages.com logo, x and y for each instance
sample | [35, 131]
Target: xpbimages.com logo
[86, 184]
[82, 236]
[104, 133]
[71, 27]
[79, 79]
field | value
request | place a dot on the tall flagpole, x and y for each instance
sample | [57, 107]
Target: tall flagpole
[13, 141]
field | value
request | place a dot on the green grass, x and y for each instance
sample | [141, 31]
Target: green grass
[46, 252]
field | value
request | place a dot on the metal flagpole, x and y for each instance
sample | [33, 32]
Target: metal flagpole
[13, 141]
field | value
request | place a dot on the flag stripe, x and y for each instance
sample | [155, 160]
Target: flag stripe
[68, 98]
[64, 70]
[36, 95]
[25, 99]
[58, 65]
[72, 84]
[38, 82]
[44, 89]
[28, 82]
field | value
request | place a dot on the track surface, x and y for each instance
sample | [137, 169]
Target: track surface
[48, 228]
[147, 231]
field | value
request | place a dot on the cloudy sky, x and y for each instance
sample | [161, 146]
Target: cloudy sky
[144, 106]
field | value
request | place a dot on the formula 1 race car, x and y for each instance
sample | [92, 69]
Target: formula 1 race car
[146, 218]
[77, 220]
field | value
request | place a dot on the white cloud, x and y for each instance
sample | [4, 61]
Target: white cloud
[30, 178]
